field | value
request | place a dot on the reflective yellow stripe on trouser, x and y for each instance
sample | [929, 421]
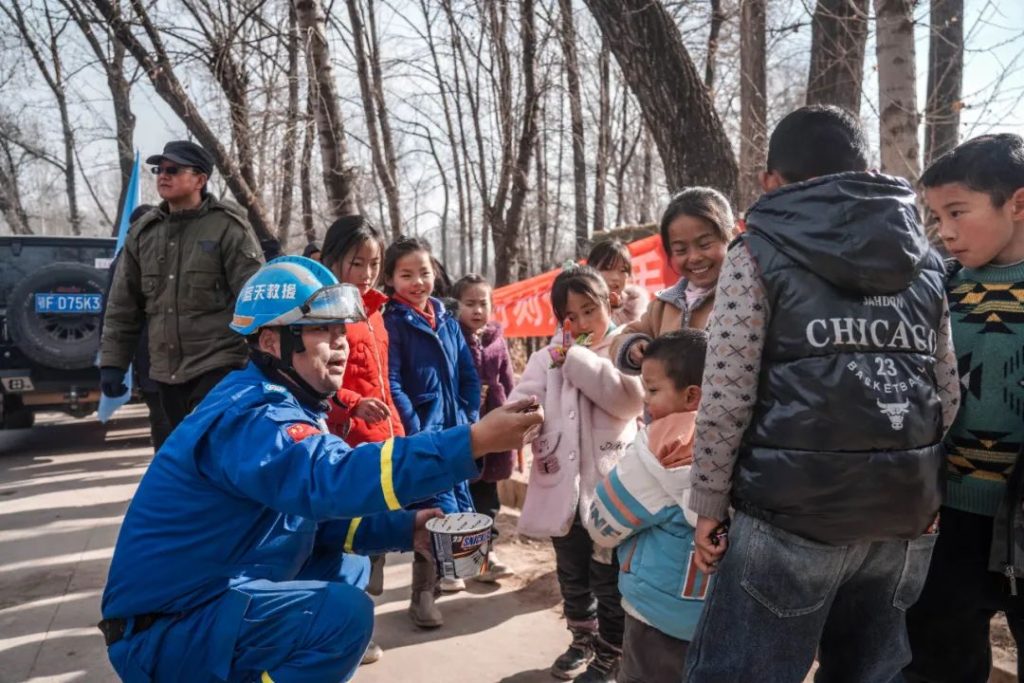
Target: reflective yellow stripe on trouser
[350, 537]
[265, 678]
[387, 485]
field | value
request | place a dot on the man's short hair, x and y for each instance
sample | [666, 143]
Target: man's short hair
[815, 141]
[993, 164]
[682, 352]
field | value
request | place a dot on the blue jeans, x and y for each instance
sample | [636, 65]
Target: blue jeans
[778, 599]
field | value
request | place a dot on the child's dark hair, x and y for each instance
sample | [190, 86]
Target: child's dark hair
[442, 281]
[583, 280]
[682, 352]
[700, 202]
[345, 235]
[403, 246]
[993, 164]
[467, 281]
[817, 140]
[609, 255]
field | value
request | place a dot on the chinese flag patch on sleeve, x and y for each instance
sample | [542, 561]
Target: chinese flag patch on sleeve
[300, 430]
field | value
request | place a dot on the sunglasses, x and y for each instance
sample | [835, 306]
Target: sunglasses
[170, 170]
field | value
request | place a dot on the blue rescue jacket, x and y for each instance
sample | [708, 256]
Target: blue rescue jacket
[251, 483]
[434, 381]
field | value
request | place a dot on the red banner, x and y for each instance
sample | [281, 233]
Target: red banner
[524, 308]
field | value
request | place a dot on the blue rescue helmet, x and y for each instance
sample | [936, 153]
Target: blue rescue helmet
[294, 290]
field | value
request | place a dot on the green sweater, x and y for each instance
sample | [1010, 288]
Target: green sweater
[987, 314]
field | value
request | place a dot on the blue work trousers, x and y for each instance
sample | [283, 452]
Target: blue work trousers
[310, 630]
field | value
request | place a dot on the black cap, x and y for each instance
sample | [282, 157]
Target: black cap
[184, 153]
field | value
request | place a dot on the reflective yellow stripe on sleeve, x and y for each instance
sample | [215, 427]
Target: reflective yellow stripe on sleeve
[350, 537]
[265, 678]
[387, 486]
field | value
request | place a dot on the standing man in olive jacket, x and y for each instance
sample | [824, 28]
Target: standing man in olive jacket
[182, 266]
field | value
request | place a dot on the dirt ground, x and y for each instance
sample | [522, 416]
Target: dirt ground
[64, 486]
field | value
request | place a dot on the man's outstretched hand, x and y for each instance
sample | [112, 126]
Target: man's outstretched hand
[420, 535]
[507, 428]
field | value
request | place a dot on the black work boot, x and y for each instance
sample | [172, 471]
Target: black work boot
[575, 659]
[604, 667]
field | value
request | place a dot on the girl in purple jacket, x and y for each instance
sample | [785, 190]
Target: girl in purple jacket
[493, 364]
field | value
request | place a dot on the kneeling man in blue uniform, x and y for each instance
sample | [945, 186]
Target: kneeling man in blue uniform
[230, 563]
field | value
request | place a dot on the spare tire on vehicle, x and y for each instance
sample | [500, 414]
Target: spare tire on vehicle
[54, 315]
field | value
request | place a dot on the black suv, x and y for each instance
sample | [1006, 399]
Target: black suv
[51, 310]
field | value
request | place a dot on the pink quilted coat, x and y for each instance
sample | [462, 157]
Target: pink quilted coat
[590, 411]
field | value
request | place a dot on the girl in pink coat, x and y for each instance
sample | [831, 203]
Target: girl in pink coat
[591, 412]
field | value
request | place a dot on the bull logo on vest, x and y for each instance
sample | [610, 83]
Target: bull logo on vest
[895, 412]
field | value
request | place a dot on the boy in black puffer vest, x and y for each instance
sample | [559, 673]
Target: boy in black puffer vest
[829, 383]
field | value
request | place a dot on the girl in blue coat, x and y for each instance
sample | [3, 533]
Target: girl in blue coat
[433, 382]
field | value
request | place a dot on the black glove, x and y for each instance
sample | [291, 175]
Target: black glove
[112, 382]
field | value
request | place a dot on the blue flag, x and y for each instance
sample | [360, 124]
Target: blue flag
[108, 406]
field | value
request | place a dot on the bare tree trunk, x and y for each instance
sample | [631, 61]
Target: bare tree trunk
[161, 73]
[897, 88]
[305, 167]
[579, 160]
[647, 182]
[372, 96]
[291, 132]
[626, 152]
[10, 196]
[543, 221]
[753, 105]
[945, 78]
[717, 19]
[677, 108]
[838, 38]
[390, 155]
[508, 261]
[120, 94]
[338, 177]
[604, 135]
[51, 69]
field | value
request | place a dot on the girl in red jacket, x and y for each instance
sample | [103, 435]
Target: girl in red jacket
[363, 409]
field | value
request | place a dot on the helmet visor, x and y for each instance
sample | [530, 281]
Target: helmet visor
[333, 304]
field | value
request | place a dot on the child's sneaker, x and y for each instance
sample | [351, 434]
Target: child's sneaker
[604, 667]
[495, 570]
[452, 585]
[575, 659]
[373, 653]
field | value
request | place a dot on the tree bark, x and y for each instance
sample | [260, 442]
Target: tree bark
[677, 108]
[120, 94]
[579, 160]
[945, 78]
[51, 69]
[305, 166]
[604, 136]
[508, 261]
[339, 178]
[717, 19]
[372, 95]
[291, 132]
[647, 181]
[897, 88]
[839, 35]
[753, 105]
[10, 196]
[156, 64]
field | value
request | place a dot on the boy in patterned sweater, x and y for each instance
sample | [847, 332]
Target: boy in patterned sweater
[975, 194]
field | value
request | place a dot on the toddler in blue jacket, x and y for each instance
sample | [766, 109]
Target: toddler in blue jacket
[641, 508]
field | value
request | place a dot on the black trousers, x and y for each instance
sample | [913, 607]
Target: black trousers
[590, 589]
[159, 426]
[650, 656]
[486, 501]
[178, 400]
[949, 625]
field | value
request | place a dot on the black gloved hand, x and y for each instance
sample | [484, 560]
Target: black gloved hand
[112, 382]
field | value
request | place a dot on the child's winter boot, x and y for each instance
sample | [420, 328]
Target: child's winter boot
[604, 667]
[422, 610]
[575, 659]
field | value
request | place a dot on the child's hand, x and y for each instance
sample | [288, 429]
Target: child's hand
[558, 352]
[710, 542]
[371, 410]
[637, 351]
